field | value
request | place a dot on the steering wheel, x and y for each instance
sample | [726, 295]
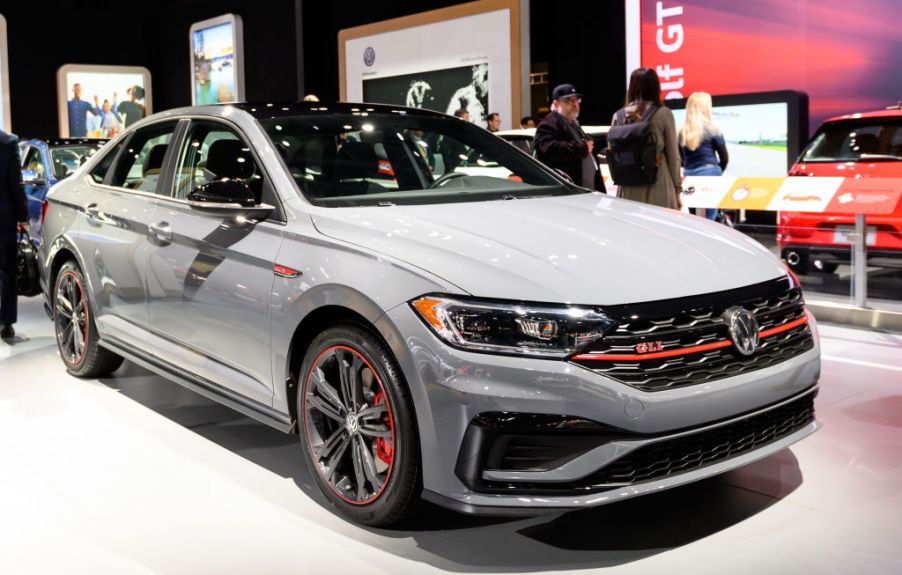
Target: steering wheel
[445, 178]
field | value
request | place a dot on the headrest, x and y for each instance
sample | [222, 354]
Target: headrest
[867, 144]
[154, 159]
[356, 160]
[230, 159]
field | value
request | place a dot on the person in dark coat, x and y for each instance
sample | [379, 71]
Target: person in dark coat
[561, 144]
[13, 219]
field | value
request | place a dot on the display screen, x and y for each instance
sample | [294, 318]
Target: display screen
[215, 68]
[4, 80]
[845, 59]
[446, 91]
[101, 101]
[756, 137]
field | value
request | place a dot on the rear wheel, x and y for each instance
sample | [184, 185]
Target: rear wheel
[358, 427]
[76, 333]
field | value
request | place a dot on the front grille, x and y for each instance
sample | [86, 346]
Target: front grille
[693, 322]
[669, 457]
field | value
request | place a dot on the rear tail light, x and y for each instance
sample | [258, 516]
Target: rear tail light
[44, 211]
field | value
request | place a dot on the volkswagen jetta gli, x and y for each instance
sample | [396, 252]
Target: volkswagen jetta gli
[435, 314]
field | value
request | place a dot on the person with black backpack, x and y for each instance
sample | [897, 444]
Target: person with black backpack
[13, 219]
[642, 145]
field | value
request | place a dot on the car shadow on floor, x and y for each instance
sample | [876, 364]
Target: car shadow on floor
[608, 535]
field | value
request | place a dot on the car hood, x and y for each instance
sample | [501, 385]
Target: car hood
[582, 249]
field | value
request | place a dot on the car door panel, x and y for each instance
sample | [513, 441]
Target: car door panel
[210, 278]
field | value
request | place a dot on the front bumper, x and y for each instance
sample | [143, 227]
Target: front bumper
[451, 387]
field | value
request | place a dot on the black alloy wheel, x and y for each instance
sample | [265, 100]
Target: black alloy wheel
[76, 333]
[357, 423]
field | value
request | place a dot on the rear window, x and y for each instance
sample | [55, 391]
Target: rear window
[873, 140]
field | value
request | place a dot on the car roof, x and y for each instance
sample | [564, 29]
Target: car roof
[531, 132]
[891, 112]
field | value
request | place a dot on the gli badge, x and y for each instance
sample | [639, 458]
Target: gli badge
[649, 346]
[743, 329]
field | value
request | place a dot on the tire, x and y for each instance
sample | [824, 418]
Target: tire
[358, 427]
[76, 333]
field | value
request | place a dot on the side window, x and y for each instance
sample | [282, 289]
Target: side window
[140, 166]
[214, 151]
[34, 162]
[98, 174]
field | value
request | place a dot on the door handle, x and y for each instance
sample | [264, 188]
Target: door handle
[161, 233]
[94, 213]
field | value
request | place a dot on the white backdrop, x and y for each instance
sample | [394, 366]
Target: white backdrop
[469, 40]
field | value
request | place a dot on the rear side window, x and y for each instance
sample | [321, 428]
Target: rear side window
[871, 140]
[98, 174]
[140, 165]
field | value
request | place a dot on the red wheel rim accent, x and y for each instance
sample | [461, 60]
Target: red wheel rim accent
[356, 437]
[75, 356]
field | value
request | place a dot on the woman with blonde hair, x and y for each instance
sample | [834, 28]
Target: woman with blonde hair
[702, 146]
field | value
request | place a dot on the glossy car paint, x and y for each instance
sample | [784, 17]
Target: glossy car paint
[816, 232]
[232, 329]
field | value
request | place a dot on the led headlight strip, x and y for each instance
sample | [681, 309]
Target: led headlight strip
[538, 330]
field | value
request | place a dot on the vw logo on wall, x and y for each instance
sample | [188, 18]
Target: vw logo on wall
[743, 329]
[369, 56]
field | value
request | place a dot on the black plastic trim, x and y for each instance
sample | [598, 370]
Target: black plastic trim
[261, 413]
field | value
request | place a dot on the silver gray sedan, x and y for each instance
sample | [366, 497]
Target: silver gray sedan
[437, 315]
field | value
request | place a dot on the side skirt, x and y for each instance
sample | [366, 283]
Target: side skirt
[261, 413]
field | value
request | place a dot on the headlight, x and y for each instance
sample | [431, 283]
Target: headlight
[527, 329]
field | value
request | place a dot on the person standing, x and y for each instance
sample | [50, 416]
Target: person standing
[645, 91]
[78, 110]
[493, 123]
[132, 108]
[527, 122]
[561, 144]
[702, 146]
[452, 151]
[13, 219]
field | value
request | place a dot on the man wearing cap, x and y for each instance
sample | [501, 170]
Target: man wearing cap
[561, 144]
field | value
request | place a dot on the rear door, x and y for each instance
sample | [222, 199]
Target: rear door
[113, 234]
[210, 278]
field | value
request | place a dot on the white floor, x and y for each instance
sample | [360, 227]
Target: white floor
[133, 474]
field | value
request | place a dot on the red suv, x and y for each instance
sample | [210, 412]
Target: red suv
[867, 145]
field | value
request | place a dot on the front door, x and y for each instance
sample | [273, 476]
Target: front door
[210, 278]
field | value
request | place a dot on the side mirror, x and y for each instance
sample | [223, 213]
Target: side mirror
[32, 178]
[228, 198]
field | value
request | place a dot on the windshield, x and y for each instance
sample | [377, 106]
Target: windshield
[65, 159]
[852, 141]
[387, 159]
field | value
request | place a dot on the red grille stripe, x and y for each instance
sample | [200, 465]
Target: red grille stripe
[687, 350]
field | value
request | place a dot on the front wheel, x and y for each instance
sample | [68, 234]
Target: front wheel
[358, 426]
[76, 333]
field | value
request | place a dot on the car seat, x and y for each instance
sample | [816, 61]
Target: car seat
[867, 144]
[354, 164]
[153, 164]
[232, 159]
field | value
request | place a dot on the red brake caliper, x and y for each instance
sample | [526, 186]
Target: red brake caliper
[384, 448]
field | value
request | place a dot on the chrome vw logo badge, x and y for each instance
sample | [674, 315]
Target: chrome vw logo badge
[743, 329]
[352, 423]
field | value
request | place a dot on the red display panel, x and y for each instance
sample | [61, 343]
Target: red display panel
[843, 55]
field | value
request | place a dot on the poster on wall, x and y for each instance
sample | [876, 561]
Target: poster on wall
[464, 56]
[845, 60]
[101, 101]
[446, 91]
[4, 79]
[217, 67]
